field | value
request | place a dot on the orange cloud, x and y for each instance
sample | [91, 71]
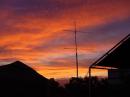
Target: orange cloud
[37, 36]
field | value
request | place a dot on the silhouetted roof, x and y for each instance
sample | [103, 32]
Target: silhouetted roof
[19, 71]
[19, 80]
[117, 57]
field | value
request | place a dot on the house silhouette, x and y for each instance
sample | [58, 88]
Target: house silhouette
[19, 80]
[117, 61]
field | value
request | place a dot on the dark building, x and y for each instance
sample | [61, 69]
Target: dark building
[19, 80]
[117, 61]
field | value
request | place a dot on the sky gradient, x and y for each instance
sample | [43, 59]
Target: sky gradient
[33, 31]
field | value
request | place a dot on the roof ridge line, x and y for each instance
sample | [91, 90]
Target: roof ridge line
[111, 50]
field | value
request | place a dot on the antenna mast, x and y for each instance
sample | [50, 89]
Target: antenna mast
[76, 50]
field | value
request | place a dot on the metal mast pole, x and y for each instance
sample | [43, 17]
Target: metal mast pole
[76, 51]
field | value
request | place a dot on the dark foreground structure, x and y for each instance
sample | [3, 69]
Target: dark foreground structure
[19, 80]
[117, 62]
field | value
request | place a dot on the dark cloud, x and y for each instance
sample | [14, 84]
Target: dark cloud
[114, 30]
[44, 8]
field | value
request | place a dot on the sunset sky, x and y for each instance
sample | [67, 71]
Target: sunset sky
[33, 31]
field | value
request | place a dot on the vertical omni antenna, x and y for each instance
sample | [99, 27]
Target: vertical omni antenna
[76, 50]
